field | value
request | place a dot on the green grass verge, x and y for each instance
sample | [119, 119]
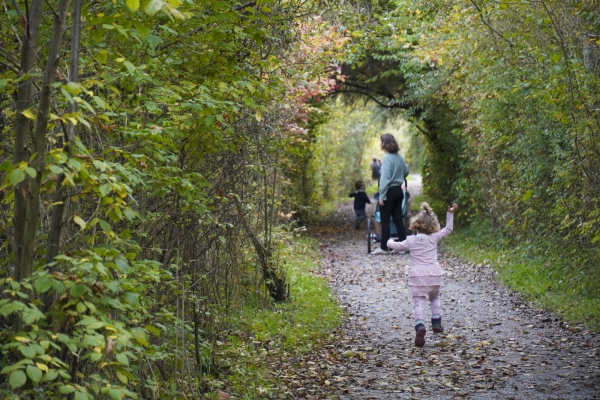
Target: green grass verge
[270, 335]
[552, 279]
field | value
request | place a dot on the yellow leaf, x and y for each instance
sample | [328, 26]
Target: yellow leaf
[22, 339]
[43, 367]
[77, 219]
[28, 114]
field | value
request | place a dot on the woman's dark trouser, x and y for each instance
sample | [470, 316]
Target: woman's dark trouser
[392, 206]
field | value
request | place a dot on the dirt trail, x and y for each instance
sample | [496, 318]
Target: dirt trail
[496, 346]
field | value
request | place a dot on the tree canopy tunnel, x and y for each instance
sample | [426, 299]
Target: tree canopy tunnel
[393, 85]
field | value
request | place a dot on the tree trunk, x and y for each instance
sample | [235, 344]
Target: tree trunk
[39, 142]
[22, 125]
[71, 131]
[59, 195]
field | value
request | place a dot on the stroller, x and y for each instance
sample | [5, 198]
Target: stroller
[374, 222]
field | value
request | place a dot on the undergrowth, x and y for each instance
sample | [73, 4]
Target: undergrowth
[558, 282]
[269, 336]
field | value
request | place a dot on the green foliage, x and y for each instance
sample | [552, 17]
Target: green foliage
[267, 332]
[533, 270]
[96, 334]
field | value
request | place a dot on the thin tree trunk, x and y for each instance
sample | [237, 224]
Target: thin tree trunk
[71, 131]
[39, 141]
[59, 195]
[22, 125]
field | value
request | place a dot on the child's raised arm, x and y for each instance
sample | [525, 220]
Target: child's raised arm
[449, 223]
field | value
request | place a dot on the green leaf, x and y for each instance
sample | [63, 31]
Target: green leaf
[34, 373]
[73, 88]
[77, 290]
[122, 377]
[153, 330]
[100, 103]
[42, 284]
[133, 5]
[122, 264]
[105, 226]
[27, 351]
[116, 394]
[90, 341]
[141, 28]
[17, 378]
[153, 7]
[66, 389]
[16, 176]
[80, 396]
[80, 307]
[31, 172]
[56, 169]
[140, 336]
[132, 298]
[86, 321]
[50, 375]
[130, 67]
[11, 368]
[527, 195]
[105, 189]
[102, 57]
[122, 359]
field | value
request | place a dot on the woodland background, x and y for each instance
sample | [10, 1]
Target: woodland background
[159, 159]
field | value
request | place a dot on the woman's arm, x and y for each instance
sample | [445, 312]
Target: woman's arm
[384, 179]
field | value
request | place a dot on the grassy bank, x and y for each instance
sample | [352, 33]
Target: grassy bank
[269, 336]
[556, 281]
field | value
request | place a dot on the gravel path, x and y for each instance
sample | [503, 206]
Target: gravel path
[496, 346]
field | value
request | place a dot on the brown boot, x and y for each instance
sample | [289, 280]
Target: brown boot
[420, 337]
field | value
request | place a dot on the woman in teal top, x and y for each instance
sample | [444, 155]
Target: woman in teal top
[393, 173]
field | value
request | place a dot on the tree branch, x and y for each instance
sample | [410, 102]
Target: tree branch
[241, 7]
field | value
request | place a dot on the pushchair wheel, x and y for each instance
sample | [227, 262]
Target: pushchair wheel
[369, 235]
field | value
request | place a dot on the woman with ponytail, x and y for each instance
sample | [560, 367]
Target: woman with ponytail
[425, 275]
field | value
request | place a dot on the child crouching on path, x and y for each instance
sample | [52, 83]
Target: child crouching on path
[425, 276]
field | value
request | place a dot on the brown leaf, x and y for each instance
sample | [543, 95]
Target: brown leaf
[60, 76]
[22, 21]
[110, 345]
[224, 396]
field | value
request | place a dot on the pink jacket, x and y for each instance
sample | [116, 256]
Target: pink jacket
[425, 275]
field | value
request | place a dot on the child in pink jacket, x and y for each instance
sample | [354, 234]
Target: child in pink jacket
[425, 276]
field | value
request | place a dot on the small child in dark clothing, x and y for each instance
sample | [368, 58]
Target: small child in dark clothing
[360, 201]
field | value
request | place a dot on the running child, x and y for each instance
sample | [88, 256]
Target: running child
[425, 276]
[360, 203]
